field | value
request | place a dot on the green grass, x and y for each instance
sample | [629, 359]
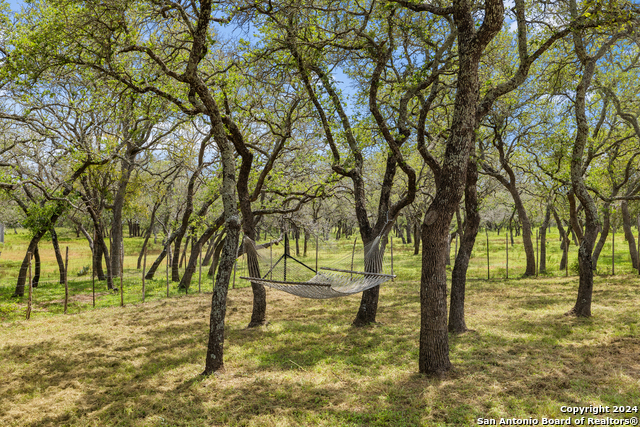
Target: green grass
[139, 365]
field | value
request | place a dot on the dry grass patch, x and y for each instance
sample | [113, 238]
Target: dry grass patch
[139, 366]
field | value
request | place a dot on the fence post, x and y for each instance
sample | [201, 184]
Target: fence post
[537, 252]
[235, 265]
[66, 282]
[93, 282]
[29, 300]
[486, 230]
[168, 263]
[353, 253]
[566, 265]
[121, 274]
[613, 251]
[392, 278]
[200, 271]
[506, 238]
[144, 267]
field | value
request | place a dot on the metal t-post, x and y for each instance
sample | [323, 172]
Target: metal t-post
[506, 238]
[66, 283]
[613, 251]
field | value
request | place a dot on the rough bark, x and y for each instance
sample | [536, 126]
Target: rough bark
[582, 307]
[434, 341]
[214, 359]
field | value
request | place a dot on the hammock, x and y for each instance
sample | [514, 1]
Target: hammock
[320, 283]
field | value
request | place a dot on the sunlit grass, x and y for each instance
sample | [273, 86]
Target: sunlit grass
[139, 365]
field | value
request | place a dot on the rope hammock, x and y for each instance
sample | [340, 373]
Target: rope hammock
[291, 275]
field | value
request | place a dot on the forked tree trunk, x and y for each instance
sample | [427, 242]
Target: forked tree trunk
[22, 273]
[56, 250]
[215, 348]
[582, 307]
[434, 340]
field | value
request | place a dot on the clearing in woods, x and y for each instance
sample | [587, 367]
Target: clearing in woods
[139, 365]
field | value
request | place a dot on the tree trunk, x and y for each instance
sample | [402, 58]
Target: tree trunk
[216, 256]
[96, 260]
[582, 307]
[206, 260]
[564, 239]
[56, 250]
[457, 322]
[156, 264]
[36, 274]
[434, 340]
[400, 232]
[573, 218]
[530, 269]
[369, 301]
[416, 238]
[543, 241]
[628, 234]
[185, 282]
[117, 237]
[606, 227]
[184, 252]
[147, 234]
[215, 347]
[22, 273]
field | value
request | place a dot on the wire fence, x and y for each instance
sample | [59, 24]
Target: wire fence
[494, 257]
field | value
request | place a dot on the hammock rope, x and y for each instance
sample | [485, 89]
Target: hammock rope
[299, 279]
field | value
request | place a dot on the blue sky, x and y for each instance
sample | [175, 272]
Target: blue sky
[15, 4]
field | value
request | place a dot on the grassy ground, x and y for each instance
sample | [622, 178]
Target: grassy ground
[139, 365]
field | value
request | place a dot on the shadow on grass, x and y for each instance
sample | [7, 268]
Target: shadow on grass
[140, 365]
